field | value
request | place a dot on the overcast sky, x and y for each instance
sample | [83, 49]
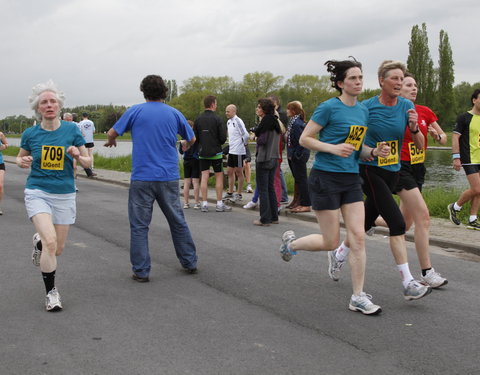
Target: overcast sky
[97, 51]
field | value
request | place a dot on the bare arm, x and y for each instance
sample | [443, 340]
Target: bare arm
[368, 153]
[4, 142]
[437, 133]
[24, 159]
[111, 138]
[415, 132]
[187, 144]
[309, 140]
[80, 154]
[456, 151]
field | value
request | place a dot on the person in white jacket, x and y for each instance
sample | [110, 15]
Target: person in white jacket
[238, 143]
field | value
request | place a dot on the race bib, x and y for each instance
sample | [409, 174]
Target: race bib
[417, 155]
[392, 158]
[53, 157]
[356, 135]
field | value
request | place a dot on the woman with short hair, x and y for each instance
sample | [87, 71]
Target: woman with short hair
[390, 116]
[411, 179]
[49, 148]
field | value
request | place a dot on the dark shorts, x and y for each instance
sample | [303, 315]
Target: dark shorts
[411, 176]
[471, 169]
[89, 145]
[331, 190]
[2, 166]
[217, 165]
[191, 168]
[235, 161]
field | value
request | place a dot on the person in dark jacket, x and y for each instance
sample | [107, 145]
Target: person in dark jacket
[191, 173]
[297, 157]
[268, 135]
[211, 134]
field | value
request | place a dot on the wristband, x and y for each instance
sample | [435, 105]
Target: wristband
[371, 153]
[414, 132]
[455, 156]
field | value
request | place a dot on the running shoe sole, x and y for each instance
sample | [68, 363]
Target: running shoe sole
[413, 298]
[364, 312]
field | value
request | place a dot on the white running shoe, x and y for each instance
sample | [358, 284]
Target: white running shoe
[250, 205]
[186, 206]
[197, 206]
[223, 208]
[434, 279]
[416, 290]
[249, 188]
[334, 265]
[36, 253]
[364, 304]
[227, 197]
[53, 302]
[285, 251]
[237, 197]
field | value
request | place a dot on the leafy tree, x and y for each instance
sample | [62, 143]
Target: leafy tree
[172, 89]
[15, 124]
[463, 93]
[260, 84]
[420, 64]
[446, 77]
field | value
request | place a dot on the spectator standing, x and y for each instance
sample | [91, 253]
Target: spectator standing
[154, 126]
[211, 134]
[297, 156]
[237, 142]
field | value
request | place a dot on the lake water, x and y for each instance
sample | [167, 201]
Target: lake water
[438, 163]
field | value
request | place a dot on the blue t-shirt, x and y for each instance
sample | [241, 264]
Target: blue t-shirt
[154, 127]
[387, 123]
[340, 123]
[52, 167]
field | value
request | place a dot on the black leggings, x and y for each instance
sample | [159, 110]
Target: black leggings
[378, 185]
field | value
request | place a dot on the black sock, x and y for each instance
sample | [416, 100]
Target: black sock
[49, 280]
[424, 272]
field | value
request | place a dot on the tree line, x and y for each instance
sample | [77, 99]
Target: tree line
[435, 84]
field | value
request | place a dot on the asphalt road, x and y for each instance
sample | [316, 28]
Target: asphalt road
[245, 312]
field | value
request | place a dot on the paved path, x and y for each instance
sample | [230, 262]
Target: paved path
[442, 232]
[245, 312]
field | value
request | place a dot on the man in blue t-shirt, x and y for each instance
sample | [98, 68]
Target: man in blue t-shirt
[154, 127]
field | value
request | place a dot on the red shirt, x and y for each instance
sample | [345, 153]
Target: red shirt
[425, 118]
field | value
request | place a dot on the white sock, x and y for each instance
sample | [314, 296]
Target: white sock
[204, 203]
[219, 203]
[456, 207]
[405, 274]
[473, 218]
[342, 252]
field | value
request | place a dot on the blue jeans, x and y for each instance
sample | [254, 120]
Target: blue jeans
[141, 197]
